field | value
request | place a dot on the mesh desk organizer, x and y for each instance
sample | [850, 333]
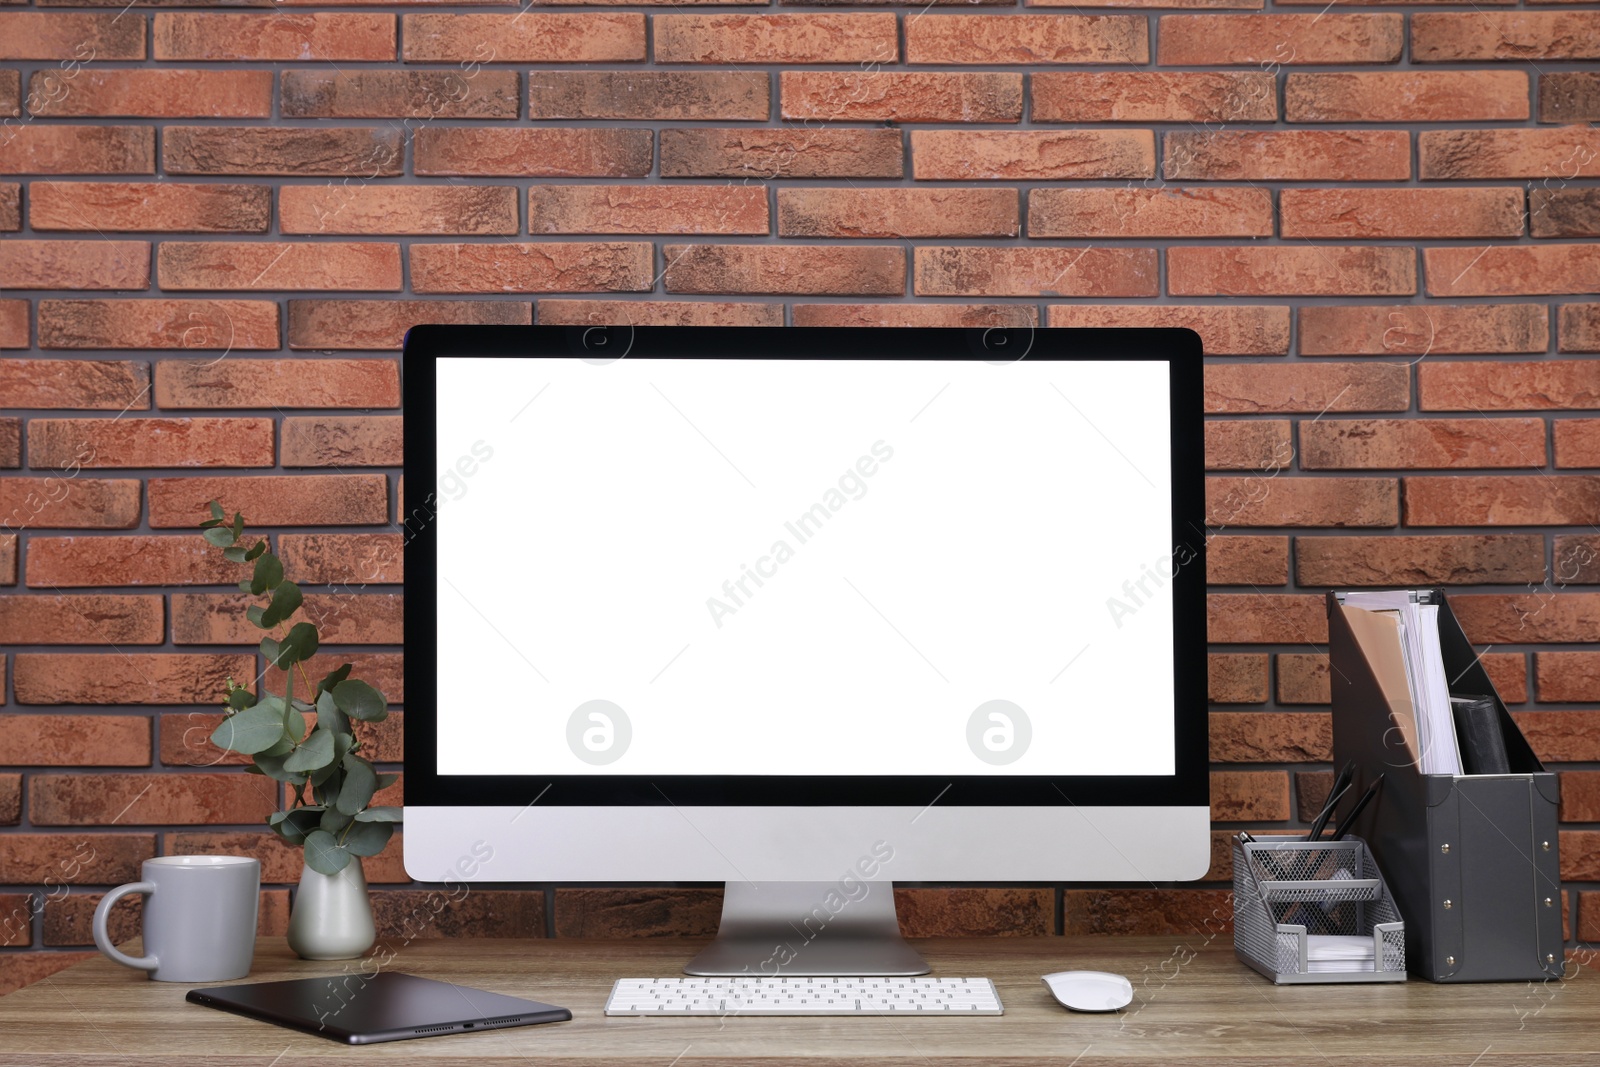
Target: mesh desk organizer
[1290, 896]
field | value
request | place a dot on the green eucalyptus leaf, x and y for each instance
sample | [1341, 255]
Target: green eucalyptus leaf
[324, 854]
[250, 731]
[381, 813]
[256, 550]
[293, 825]
[244, 587]
[301, 705]
[238, 526]
[329, 715]
[271, 650]
[233, 554]
[253, 769]
[313, 754]
[267, 575]
[220, 536]
[368, 838]
[302, 638]
[360, 782]
[272, 767]
[257, 615]
[240, 699]
[386, 780]
[217, 514]
[333, 678]
[209, 523]
[360, 701]
[284, 746]
[285, 600]
[333, 820]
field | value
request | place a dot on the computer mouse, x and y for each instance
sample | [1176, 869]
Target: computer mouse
[1090, 990]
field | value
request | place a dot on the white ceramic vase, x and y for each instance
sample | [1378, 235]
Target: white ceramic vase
[332, 916]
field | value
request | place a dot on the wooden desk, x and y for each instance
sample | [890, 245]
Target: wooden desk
[1194, 1005]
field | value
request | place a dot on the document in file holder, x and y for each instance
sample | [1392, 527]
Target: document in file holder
[1410, 668]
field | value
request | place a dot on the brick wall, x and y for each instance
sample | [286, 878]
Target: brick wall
[216, 224]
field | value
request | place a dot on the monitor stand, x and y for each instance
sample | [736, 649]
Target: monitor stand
[808, 928]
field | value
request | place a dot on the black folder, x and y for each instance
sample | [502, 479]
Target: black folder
[1473, 861]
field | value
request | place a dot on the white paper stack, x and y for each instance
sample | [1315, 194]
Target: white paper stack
[1425, 677]
[1327, 953]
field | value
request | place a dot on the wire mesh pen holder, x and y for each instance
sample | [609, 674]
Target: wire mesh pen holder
[1286, 892]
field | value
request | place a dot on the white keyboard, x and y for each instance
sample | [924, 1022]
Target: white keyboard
[803, 996]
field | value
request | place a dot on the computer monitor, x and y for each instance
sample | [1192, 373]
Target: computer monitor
[805, 612]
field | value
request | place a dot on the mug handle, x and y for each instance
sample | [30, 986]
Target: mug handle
[102, 938]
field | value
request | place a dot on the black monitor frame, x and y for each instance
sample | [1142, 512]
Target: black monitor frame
[1179, 348]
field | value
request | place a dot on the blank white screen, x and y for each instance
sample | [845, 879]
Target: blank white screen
[589, 517]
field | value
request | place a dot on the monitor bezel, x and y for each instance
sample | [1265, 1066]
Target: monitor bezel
[426, 345]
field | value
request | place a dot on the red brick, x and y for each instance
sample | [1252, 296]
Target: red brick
[75, 859]
[1395, 213]
[1265, 618]
[1225, 330]
[11, 206]
[18, 969]
[526, 37]
[1512, 270]
[74, 264]
[897, 212]
[1477, 559]
[1408, 96]
[659, 313]
[1236, 679]
[11, 96]
[231, 325]
[1168, 912]
[142, 678]
[86, 384]
[10, 443]
[702, 209]
[281, 862]
[165, 207]
[1039, 271]
[676, 95]
[352, 153]
[1378, 444]
[975, 912]
[1288, 155]
[407, 915]
[382, 324]
[10, 803]
[756, 154]
[1569, 96]
[546, 267]
[1567, 676]
[1514, 35]
[70, 35]
[150, 442]
[76, 740]
[546, 152]
[399, 94]
[1508, 673]
[1419, 330]
[1303, 679]
[144, 799]
[1248, 444]
[1564, 212]
[1241, 559]
[857, 37]
[280, 265]
[1135, 212]
[1504, 500]
[279, 383]
[1249, 796]
[1521, 618]
[637, 912]
[1577, 442]
[367, 209]
[784, 269]
[330, 558]
[1310, 270]
[968, 155]
[1011, 40]
[277, 36]
[1306, 387]
[341, 441]
[1271, 737]
[1578, 327]
[8, 564]
[382, 742]
[341, 618]
[919, 314]
[1576, 558]
[1154, 96]
[13, 324]
[1556, 736]
[1580, 796]
[138, 559]
[60, 501]
[173, 94]
[273, 500]
[1501, 386]
[36, 149]
[1280, 40]
[68, 920]
[1266, 501]
[901, 96]
[1561, 154]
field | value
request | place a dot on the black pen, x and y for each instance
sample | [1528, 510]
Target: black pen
[1350, 820]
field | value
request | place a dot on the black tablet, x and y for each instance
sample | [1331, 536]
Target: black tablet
[362, 1009]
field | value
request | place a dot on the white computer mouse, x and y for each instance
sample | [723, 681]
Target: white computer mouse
[1090, 990]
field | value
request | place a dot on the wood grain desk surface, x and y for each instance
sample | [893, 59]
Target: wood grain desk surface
[1194, 1004]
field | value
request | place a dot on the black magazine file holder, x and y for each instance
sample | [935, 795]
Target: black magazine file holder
[1473, 861]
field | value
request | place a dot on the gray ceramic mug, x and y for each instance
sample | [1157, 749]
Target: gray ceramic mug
[199, 918]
